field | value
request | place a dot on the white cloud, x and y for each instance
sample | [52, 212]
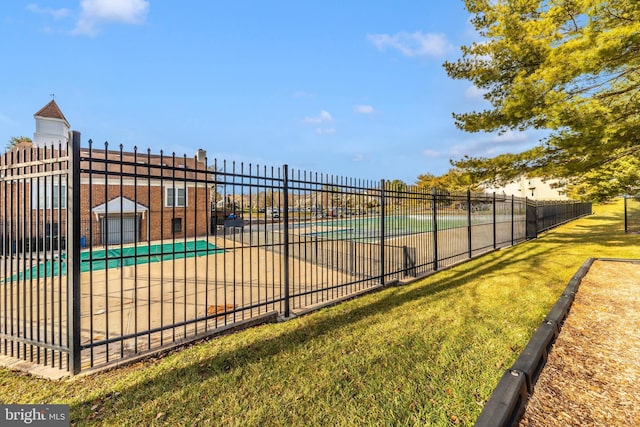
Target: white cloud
[358, 158]
[324, 116]
[97, 12]
[413, 44]
[493, 145]
[363, 109]
[325, 131]
[430, 153]
[54, 13]
[509, 137]
[473, 92]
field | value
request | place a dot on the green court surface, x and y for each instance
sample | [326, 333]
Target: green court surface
[117, 257]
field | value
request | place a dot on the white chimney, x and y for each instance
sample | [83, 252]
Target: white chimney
[201, 155]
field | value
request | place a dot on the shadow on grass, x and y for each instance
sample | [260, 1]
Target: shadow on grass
[607, 232]
[530, 254]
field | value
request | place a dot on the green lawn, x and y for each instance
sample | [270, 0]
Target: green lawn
[429, 353]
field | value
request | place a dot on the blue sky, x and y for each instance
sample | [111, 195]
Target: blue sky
[349, 88]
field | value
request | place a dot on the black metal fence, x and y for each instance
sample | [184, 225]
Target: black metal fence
[34, 322]
[142, 251]
[632, 214]
[546, 215]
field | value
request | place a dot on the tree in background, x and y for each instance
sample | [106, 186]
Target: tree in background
[16, 140]
[570, 66]
[396, 185]
[619, 177]
[454, 181]
[396, 190]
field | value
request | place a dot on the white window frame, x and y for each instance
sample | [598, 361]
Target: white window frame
[172, 201]
[38, 199]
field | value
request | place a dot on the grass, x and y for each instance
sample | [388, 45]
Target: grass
[428, 353]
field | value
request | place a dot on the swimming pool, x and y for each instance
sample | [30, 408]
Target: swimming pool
[102, 259]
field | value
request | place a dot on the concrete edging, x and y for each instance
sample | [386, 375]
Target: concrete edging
[508, 401]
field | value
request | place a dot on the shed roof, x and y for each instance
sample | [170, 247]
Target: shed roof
[51, 111]
[119, 205]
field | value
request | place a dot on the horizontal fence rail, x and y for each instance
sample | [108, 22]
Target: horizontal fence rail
[109, 254]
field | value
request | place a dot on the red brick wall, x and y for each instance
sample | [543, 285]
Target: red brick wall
[142, 179]
[158, 218]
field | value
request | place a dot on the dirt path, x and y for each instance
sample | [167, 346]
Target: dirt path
[592, 376]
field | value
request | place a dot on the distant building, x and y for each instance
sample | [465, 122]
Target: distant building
[127, 198]
[533, 188]
[52, 127]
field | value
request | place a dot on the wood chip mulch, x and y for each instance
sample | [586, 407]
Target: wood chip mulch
[592, 376]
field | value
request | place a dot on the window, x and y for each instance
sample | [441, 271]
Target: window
[175, 197]
[176, 225]
[45, 195]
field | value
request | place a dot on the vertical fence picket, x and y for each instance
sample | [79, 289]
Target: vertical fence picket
[285, 237]
[469, 224]
[626, 215]
[73, 254]
[434, 228]
[495, 222]
[382, 229]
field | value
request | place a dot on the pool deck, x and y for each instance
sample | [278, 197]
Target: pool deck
[203, 293]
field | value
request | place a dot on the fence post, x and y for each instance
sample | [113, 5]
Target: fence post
[625, 214]
[435, 230]
[469, 222]
[531, 209]
[382, 213]
[526, 217]
[285, 191]
[494, 220]
[73, 253]
[352, 252]
[405, 260]
[513, 218]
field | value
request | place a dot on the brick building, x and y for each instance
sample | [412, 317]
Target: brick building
[126, 197]
[146, 197]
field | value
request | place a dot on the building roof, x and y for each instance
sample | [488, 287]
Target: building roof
[51, 111]
[114, 206]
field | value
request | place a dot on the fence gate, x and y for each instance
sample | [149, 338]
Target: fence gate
[35, 192]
